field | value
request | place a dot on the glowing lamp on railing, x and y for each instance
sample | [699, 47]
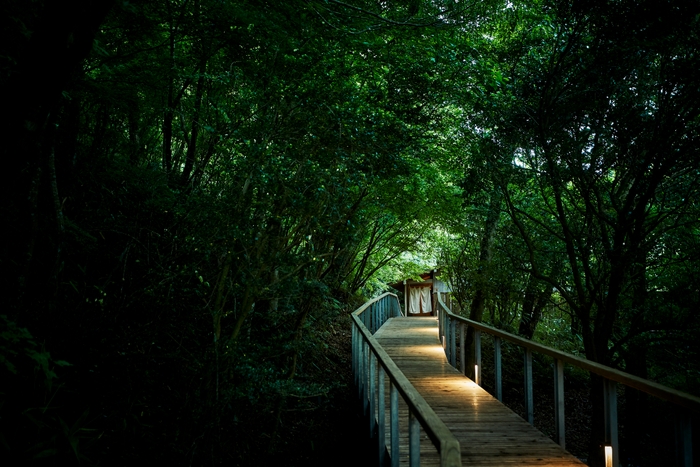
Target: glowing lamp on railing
[608, 456]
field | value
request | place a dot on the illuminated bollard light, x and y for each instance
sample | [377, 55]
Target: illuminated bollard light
[608, 456]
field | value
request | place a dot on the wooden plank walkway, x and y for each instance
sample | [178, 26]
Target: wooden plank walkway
[490, 434]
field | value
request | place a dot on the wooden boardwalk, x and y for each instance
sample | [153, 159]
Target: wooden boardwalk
[490, 434]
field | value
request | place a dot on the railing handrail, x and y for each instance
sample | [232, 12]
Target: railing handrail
[655, 389]
[441, 436]
[373, 301]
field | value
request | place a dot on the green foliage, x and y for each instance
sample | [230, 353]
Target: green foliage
[16, 343]
[29, 399]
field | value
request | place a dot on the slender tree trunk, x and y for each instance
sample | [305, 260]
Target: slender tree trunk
[168, 115]
[635, 414]
[34, 230]
[635, 418]
[168, 133]
[246, 308]
[597, 350]
[537, 295]
[192, 146]
[55, 198]
[220, 301]
[533, 304]
[199, 171]
[476, 309]
[596, 456]
[134, 140]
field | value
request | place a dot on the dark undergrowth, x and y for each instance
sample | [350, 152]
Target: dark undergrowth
[320, 429]
[121, 397]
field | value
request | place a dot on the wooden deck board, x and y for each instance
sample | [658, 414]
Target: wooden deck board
[489, 433]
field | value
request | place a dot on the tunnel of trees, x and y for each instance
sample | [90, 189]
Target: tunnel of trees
[198, 192]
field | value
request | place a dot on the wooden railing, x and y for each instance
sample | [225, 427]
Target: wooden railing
[448, 323]
[371, 366]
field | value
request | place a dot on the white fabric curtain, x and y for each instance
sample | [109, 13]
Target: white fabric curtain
[414, 299]
[419, 300]
[425, 299]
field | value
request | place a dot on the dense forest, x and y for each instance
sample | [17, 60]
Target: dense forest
[198, 193]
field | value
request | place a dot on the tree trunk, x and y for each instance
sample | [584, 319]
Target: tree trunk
[476, 309]
[220, 301]
[596, 456]
[168, 114]
[536, 296]
[635, 418]
[192, 146]
[635, 409]
[246, 308]
[597, 351]
[134, 140]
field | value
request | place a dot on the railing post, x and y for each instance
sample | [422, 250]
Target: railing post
[372, 392]
[368, 319]
[446, 342]
[360, 365]
[684, 439]
[477, 356]
[442, 327]
[381, 416]
[559, 422]
[453, 342]
[373, 317]
[445, 323]
[394, 422]
[455, 331]
[413, 440]
[462, 348]
[405, 298]
[610, 403]
[354, 351]
[529, 402]
[365, 377]
[445, 331]
[498, 367]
